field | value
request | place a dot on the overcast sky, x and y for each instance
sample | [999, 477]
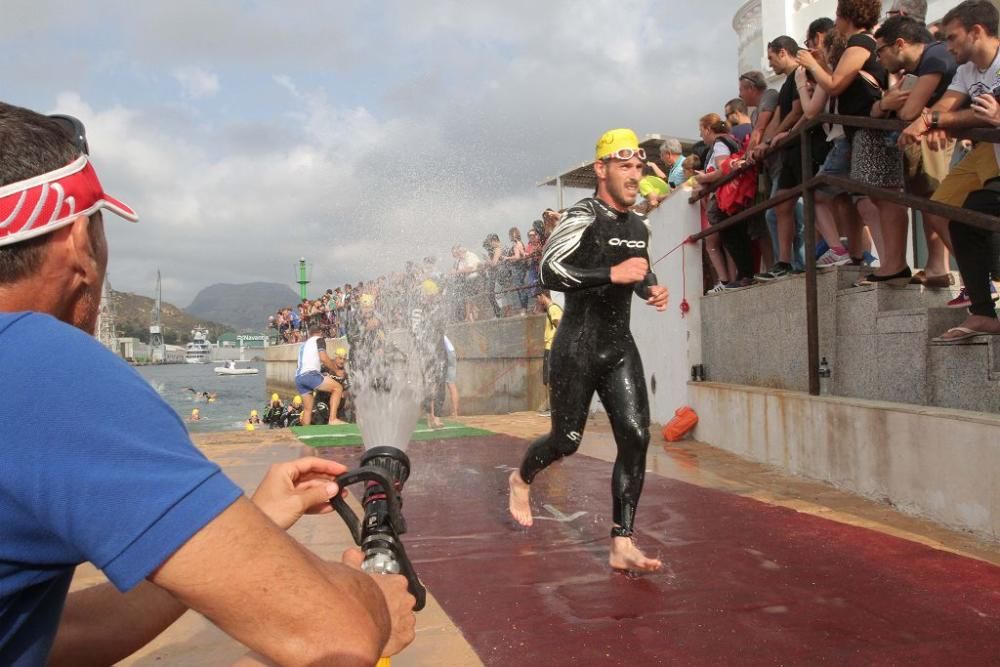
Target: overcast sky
[357, 134]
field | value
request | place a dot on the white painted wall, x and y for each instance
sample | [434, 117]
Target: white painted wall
[792, 18]
[669, 343]
[931, 462]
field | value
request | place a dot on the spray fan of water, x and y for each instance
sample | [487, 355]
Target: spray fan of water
[388, 394]
[393, 372]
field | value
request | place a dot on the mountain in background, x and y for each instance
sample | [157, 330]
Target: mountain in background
[242, 307]
[133, 314]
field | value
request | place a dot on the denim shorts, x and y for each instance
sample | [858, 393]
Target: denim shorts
[837, 163]
[308, 381]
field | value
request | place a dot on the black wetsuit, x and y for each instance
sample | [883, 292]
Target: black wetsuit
[593, 349]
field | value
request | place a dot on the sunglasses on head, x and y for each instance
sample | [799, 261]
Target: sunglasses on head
[626, 154]
[74, 129]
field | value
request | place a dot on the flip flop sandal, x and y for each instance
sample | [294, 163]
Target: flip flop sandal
[942, 281]
[966, 333]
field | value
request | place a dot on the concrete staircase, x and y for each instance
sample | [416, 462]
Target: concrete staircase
[884, 349]
[877, 340]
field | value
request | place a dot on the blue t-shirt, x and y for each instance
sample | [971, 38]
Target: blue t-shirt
[94, 466]
[676, 175]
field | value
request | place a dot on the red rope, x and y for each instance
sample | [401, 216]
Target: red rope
[685, 306]
[671, 251]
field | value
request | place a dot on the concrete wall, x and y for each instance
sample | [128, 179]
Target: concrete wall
[757, 336]
[499, 364]
[932, 462]
[670, 342]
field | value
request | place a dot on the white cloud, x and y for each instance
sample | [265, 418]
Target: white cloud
[359, 142]
[196, 82]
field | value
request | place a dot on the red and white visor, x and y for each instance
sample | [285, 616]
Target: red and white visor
[46, 202]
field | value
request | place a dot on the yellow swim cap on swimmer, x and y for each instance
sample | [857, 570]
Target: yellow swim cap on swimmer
[367, 300]
[253, 413]
[429, 287]
[195, 411]
[275, 397]
[613, 141]
[340, 352]
[297, 400]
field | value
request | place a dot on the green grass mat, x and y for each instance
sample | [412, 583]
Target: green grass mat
[348, 435]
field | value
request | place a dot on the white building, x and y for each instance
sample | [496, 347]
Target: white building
[759, 21]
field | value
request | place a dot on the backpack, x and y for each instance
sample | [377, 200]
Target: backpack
[741, 192]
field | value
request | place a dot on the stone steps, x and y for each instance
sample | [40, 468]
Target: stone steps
[885, 348]
[876, 338]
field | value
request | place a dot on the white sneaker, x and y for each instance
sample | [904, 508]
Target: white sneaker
[833, 258]
[718, 289]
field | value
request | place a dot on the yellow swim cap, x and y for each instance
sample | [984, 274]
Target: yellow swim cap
[297, 400]
[613, 141]
[340, 352]
[275, 397]
[195, 411]
[253, 413]
[429, 287]
[367, 300]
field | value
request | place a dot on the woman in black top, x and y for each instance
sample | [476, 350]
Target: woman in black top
[858, 83]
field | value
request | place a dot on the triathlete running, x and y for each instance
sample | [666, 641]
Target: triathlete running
[598, 257]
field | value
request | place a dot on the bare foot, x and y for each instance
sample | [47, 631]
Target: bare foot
[520, 491]
[435, 423]
[336, 422]
[626, 556]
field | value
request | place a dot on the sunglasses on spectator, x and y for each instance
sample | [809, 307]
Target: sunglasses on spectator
[626, 154]
[75, 130]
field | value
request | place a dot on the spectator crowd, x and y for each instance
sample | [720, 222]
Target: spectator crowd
[935, 78]
[502, 280]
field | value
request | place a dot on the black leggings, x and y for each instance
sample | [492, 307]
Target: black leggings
[577, 371]
[736, 241]
[976, 250]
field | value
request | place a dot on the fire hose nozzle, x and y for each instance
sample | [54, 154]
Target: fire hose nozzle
[384, 471]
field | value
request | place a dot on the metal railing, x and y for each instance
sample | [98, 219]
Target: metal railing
[806, 190]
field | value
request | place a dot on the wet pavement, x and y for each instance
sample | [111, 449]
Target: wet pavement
[761, 568]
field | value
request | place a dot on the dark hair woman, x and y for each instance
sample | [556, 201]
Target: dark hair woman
[735, 269]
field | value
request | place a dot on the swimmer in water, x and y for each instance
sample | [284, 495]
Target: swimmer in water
[598, 257]
[195, 415]
[254, 418]
[196, 395]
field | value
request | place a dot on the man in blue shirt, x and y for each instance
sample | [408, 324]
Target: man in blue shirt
[132, 496]
[672, 155]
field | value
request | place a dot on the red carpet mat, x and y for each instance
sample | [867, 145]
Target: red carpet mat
[745, 583]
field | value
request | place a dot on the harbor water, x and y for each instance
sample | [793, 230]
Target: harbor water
[236, 395]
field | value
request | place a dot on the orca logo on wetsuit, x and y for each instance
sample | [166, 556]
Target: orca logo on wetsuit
[627, 243]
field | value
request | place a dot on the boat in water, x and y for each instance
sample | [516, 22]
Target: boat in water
[232, 369]
[199, 350]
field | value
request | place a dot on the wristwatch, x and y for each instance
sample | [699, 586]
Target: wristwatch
[935, 119]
